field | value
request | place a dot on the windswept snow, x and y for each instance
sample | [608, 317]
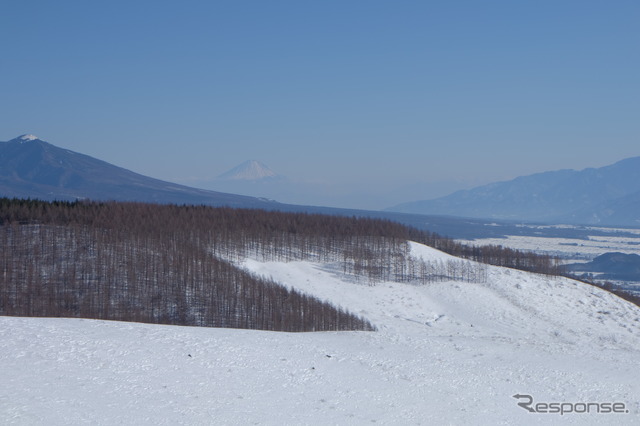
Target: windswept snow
[444, 353]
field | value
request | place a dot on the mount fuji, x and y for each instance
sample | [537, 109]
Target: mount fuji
[251, 178]
[250, 170]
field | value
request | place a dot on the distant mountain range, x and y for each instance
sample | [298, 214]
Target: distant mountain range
[33, 168]
[606, 196]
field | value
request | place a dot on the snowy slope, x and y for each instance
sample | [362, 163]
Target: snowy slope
[445, 353]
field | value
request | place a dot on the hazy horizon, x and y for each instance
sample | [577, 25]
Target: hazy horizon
[373, 103]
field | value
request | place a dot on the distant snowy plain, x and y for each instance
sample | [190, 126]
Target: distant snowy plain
[590, 244]
[444, 353]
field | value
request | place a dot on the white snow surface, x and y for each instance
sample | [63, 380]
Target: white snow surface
[565, 247]
[444, 353]
[27, 138]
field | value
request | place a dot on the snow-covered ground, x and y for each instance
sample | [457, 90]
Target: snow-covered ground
[602, 240]
[445, 353]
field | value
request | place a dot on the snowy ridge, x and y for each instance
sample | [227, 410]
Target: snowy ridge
[445, 353]
[25, 138]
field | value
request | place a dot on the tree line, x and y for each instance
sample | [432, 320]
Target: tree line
[178, 264]
[128, 262]
[232, 231]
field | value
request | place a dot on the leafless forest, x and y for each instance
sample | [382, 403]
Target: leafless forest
[177, 264]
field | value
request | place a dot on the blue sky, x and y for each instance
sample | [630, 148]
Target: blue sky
[402, 100]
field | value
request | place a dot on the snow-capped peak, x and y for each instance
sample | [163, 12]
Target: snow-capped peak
[249, 170]
[25, 138]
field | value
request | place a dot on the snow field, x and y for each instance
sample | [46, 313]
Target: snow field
[444, 353]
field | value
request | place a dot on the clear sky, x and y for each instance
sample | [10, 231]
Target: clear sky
[373, 96]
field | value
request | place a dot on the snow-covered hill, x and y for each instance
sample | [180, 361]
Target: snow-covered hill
[445, 353]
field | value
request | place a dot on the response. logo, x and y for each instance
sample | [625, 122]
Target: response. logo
[562, 408]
